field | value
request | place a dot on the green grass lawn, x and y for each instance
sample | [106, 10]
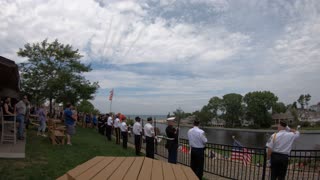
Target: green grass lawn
[45, 161]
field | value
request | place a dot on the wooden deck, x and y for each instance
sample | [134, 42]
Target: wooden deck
[128, 168]
[9, 150]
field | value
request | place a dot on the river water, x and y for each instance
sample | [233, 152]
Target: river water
[306, 141]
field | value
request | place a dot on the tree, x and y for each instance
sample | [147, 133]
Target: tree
[215, 105]
[301, 101]
[307, 98]
[233, 107]
[54, 72]
[85, 106]
[279, 107]
[204, 115]
[168, 115]
[258, 104]
[294, 105]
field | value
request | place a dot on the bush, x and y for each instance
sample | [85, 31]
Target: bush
[305, 124]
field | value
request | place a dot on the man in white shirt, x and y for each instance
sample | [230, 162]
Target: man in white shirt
[149, 134]
[197, 142]
[279, 147]
[137, 130]
[124, 132]
[109, 124]
[116, 125]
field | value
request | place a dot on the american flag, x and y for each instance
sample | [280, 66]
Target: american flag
[111, 95]
[240, 153]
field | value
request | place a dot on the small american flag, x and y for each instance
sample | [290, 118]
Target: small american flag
[240, 153]
[111, 95]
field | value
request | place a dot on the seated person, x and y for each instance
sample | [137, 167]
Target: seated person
[8, 111]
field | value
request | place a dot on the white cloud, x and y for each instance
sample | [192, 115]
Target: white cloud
[238, 46]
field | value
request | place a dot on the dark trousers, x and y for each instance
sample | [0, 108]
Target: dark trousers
[108, 132]
[124, 139]
[137, 143]
[101, 129]
[117, 135]
[279, 165]
[150, 147]
[172, 151]
[197, 161]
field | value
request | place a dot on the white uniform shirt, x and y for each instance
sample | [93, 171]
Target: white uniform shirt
[109, 122]
[137, 128]
[283, 141]
[197, 138]
[148, 130]
[116, 123]
[123, 127]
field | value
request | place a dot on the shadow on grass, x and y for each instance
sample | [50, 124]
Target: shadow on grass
[46, 161]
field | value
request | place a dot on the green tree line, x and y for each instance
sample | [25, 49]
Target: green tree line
[257, 106]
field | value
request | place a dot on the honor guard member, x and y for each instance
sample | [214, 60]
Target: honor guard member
[279, 147]
[109, 124]
[197, 142]
[172, 141]
[124, 132]
[149, 134]
[137, 130]
[116, 125]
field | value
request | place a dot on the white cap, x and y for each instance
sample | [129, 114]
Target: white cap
[171, 118]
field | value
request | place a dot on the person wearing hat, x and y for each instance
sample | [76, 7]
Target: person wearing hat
[172, 141]
[116, 125]
[124, 132]
[137, 130]
[149, 134]
[279, 147]
[197, 142]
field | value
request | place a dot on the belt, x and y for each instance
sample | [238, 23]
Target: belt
[281, 154]
[197, 148]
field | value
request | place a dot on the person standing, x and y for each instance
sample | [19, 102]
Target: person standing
[109, 124]
[172, 141]
[137, 130]
[124, 132]
[279, 147]
[42, 115]
[69, 122]
[149, 134]
[116, 125]
[197, 142]
[21, 110]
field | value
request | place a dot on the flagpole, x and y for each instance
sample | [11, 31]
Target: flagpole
[110, 106]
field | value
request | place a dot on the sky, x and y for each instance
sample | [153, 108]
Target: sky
[160, 55]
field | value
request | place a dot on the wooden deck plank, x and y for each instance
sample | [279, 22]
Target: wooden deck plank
[10, 150]
[157, 173]
[168, 171]
[73, 173]
[123, 168]
[94, 170]
[178, 172]
[135, 168]
[189, 173]
[145, 172]
[63, 177]
[109, 170]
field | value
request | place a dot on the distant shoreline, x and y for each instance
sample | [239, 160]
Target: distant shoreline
[244, 130]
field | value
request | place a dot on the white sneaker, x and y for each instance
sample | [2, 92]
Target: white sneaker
[43, 135]
[69, 144]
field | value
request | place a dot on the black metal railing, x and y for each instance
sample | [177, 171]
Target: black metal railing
[246, 162]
